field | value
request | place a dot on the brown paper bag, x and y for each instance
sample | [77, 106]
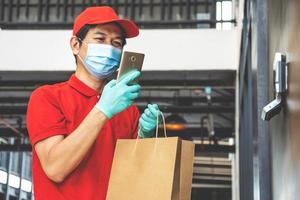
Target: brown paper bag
[186, 169]
[151, 169]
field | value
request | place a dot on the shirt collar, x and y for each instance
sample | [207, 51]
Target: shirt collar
[81, 87]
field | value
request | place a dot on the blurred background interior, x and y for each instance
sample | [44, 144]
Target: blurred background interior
[208, 65]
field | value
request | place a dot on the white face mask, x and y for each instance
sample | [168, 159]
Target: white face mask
[101, 60]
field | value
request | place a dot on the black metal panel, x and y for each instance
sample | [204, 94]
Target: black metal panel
[202, 132]
[188, 99]
[161, 13]
[260, 27]
[226, 132]
[254, 79]
[214, 193]
[214, 148]
[7, 132]
[199, 148]
[254, 138]
[213, 166]
[21, 109]
[19, 147]
[213, 174]
[32, 78]
[211, 181]
[246, 128]
[154, 78]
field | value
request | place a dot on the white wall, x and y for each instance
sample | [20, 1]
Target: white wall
[186, 49]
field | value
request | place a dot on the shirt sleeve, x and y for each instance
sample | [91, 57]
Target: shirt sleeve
[44, 116]
[135, 124]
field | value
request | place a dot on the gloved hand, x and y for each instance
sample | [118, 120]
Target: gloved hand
[148, 121]
[116, 97]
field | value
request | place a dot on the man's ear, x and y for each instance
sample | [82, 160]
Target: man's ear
[75, 45]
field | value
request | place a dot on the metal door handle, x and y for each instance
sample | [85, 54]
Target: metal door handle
[280, 86]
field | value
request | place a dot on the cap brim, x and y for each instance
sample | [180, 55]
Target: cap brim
[130, 28]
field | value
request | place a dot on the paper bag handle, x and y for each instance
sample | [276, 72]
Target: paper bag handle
[164, 123]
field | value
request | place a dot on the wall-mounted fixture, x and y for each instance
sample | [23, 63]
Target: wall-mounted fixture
[281, 87]
[210, 117]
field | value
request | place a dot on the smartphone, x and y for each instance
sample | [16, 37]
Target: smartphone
[130, 61]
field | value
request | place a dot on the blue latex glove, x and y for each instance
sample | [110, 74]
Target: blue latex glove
[116, 97]
[148, 121]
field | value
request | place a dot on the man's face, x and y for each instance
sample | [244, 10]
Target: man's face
[109, 34]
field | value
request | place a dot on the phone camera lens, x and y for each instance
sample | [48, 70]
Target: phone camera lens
[133, 58]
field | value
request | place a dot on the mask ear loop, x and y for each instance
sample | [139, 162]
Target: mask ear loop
[79, 49]
[79, 39]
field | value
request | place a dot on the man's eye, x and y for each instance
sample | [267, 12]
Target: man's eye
[100, 39]
[117, 43]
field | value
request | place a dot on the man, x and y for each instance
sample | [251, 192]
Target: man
[73, 126]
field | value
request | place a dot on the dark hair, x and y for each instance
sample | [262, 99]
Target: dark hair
[81, 34]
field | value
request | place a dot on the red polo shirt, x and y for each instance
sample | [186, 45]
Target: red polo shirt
[58, 110]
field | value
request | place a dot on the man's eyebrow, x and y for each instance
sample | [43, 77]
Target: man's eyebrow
[104, 34]
[118, 37]
[100, 33]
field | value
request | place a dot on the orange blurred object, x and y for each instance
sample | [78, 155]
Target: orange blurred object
[175, 127]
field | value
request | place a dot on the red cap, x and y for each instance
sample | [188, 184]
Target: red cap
[102, 15]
